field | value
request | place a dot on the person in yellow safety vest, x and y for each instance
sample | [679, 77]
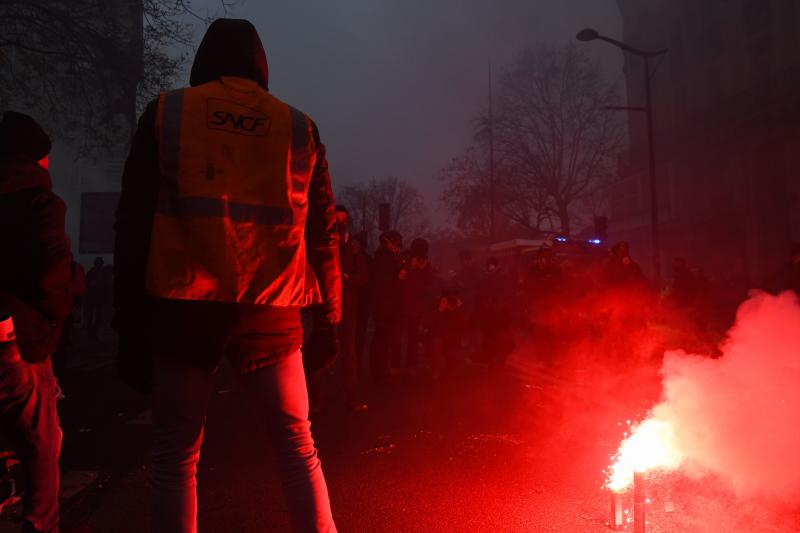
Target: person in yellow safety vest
[225, 228]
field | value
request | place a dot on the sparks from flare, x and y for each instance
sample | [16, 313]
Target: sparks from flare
[651, 445]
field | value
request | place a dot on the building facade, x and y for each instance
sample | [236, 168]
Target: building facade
[726, 110]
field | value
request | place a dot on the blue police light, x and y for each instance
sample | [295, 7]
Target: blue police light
[594, 241]
[561, 239]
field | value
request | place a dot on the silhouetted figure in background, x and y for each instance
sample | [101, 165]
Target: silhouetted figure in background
[546, 289]
[492, 315]
[35, 283]
[362, 321]
[683, 289]
[446, 331]
[96, 298]
[388, 273]
[625, 305]
[419, 299]
[355, 277]
[467, 279]
[466, 285]
[621, 269]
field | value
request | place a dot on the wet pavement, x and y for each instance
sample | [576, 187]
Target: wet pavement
[519, 449]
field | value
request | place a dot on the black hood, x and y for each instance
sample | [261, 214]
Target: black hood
[21, 136]
[230, 47]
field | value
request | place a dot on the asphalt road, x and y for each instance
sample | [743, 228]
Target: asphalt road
[518, 449]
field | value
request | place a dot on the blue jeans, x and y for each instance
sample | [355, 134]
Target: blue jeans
[29, 418]
[277, 393]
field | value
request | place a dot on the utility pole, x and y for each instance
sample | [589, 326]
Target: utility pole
[651, 158]
[491, 160]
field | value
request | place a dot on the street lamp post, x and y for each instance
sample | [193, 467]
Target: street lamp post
[589, 34]
[492, 234]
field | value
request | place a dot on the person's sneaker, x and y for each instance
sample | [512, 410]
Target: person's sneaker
[357, 406]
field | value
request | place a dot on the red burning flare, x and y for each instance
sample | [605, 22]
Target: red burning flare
[650, 446]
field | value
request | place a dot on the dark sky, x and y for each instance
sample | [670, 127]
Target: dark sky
[394, 84]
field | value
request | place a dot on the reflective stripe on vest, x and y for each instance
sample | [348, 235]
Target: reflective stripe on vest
[235, 165]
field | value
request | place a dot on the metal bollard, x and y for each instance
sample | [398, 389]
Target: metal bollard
[639, 501]
[617, 511]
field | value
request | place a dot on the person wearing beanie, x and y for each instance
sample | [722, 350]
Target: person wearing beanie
[35, 281]
[225, 230]
[22, 137]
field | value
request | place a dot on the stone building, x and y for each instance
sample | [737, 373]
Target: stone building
[726, 106]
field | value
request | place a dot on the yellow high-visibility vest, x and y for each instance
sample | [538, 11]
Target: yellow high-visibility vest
[235, 165]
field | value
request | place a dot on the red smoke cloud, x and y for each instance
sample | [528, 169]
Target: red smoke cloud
[738, 415]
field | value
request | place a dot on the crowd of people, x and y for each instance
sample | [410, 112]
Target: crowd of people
[556, 299]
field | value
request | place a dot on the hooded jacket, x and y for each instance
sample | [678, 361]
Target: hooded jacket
[198, 331]
[35, 275]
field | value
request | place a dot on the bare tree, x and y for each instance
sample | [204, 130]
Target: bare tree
[555, 145]
[88, 66]
[467, 197]
[408, 213]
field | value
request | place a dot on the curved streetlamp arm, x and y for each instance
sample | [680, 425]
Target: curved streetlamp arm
[630, 49]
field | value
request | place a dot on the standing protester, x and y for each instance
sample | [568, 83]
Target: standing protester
[387, 275]
[467, 278]
[492, 314]
[466, 284]
[417, 301]
[446, 331]
[96, 297]
[627, 303]
[225, 220]
[546, 287]
[621, 269]
[683, 289]
[360, 240]
[35, 291]
[355, 276]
